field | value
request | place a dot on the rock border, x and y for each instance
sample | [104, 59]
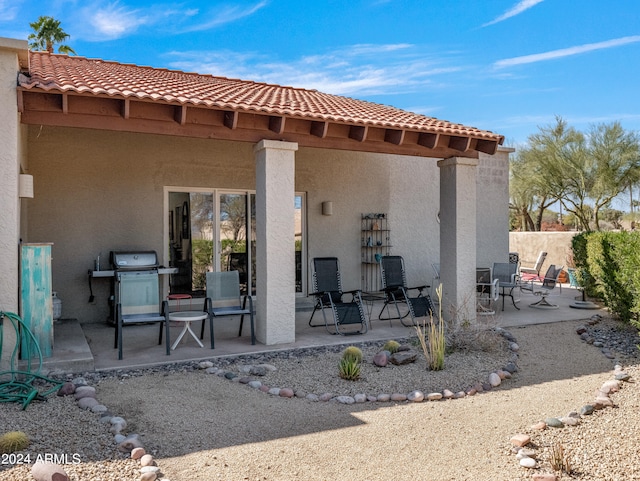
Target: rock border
[85, 397]
[250, 373]
[525, 455]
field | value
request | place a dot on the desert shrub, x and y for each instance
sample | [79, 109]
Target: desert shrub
[13, 441]
[391, 346]
[352, 352]
[349, 368]
[612, 264]
[581, 263]
[431, 335]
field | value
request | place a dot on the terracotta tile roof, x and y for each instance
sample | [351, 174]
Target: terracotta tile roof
[53, 72]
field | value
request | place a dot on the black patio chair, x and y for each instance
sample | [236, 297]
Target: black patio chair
[331, 300]
[326, 284]
[397, 293]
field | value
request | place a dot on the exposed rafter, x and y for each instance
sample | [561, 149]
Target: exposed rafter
[108, 113]
[358, 132]
[231, 119]
[319, 129]
[394, 136]
[276, 124]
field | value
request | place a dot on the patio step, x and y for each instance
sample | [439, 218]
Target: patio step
[71, 353]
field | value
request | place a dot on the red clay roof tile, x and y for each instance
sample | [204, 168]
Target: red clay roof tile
[53, 72]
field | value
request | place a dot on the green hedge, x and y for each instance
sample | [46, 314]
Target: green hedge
[609, 266]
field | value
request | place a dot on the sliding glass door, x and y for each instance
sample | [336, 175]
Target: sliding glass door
[214, 230]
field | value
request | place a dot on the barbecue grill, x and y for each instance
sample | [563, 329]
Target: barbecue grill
[137, 292]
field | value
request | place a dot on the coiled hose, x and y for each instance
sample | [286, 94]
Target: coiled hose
[20, 386]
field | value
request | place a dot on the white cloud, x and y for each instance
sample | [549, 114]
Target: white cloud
[358, 69]
[226, 14]
[520, 7]
[565, 52]
[114, 21]
[8, 10]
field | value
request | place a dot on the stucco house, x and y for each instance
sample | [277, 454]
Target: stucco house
[119, 154]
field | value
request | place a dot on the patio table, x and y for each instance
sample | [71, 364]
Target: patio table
[187, 317]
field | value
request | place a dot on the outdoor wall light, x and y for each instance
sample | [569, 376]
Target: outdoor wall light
[327, 208]
[25, 186]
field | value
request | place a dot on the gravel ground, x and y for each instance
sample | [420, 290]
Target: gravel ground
[204, 427]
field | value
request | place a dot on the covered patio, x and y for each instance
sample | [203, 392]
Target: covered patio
[106, 143]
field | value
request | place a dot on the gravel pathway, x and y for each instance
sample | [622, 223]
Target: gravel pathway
[203, 426]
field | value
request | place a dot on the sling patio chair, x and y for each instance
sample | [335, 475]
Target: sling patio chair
[224, 300]
[533, 272]
[543, 287]
[138, 302]
[508, 280]
[487, 291]
[397, 293]
[332, 301]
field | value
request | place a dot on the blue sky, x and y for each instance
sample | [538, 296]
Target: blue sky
[508, 66]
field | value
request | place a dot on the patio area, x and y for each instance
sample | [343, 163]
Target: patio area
[80, 347]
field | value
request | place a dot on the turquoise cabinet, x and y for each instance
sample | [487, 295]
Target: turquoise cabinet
[36, 305]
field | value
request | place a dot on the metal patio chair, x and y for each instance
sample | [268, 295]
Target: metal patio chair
[224, 300]
[508, 280]
[487, 291]
[330, 299]
[397, 293]
[533, 272]
[138, 302]
[543, 287]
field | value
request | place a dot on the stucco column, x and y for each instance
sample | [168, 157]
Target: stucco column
[458, 237]
[275, 260]
[10, 152]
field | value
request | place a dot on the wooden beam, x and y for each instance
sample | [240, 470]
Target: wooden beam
[231, 119]
[126, 109]
[319, 129]
[276, 124]
[20, 101]
[487, 146]
[181, 114]
[394, 136]
[428, 140]
[459, 143]
[358, 132]
[65, 103]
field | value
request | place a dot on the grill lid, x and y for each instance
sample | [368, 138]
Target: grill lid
[134, 260]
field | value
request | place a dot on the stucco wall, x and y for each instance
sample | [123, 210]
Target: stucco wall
[492, 208]
[529, 244]
[12, 155]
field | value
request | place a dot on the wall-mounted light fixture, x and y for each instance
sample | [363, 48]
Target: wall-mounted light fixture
[25, 186]
[327, 208]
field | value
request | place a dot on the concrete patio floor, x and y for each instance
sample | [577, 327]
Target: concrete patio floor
[81, 347]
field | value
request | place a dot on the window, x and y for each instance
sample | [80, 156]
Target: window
[214, 230]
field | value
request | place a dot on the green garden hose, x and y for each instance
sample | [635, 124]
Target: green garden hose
[16, 385]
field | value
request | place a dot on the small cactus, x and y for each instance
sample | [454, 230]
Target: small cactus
[391, 346]
[352, 352]
[349, 369]
[13, 441]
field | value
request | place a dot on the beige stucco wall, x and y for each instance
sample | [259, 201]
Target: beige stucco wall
[492, 208]
[12, 156]
[529, 244]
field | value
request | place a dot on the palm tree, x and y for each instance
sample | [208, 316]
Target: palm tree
[47, 33]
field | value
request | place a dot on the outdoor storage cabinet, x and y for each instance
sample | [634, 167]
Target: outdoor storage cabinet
[36, 304]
